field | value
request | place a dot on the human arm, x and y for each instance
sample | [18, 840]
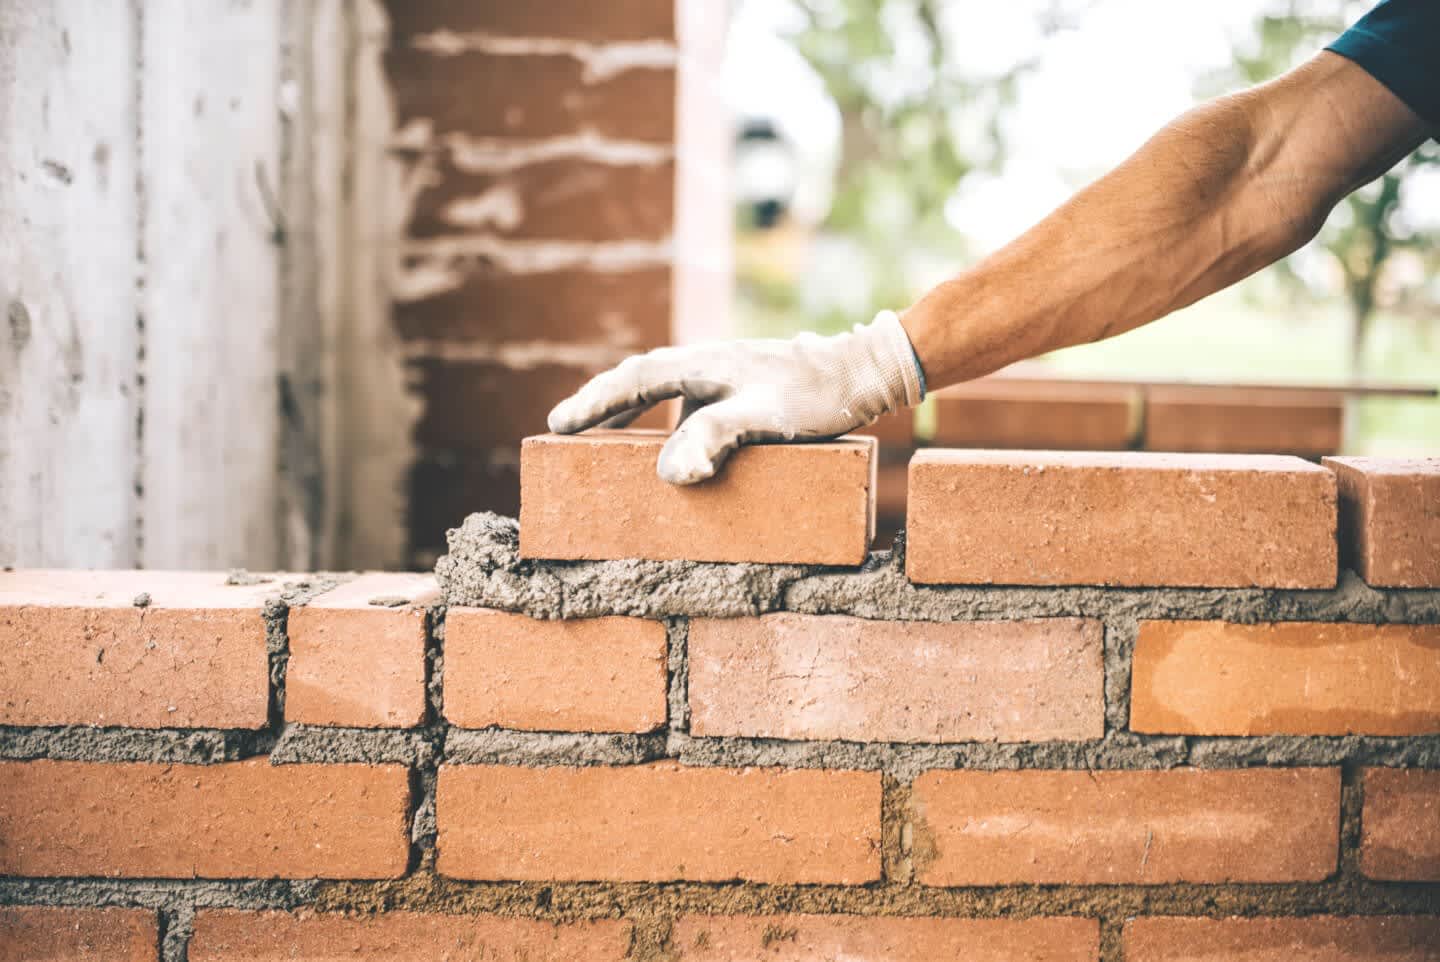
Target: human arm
[1227, 188]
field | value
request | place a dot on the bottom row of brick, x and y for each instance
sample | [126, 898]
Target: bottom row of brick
[132, 935]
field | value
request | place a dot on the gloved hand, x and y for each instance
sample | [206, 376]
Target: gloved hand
[806, 388]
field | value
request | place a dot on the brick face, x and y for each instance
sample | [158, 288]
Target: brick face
[1401, 825]
[566, 199]
[1123, 518]
[836, 677]
[633, 20]
[596, 495]
[401, 937]
[1316, 939]
[234, 820]
[1216, 678]
[998, 412]
[1390, 519]
[36, 934]
[627, 309]
[659, 822]
[530, 96]
[806, 938]
[360, 664]
[1243, 421]
[597, 674]
[75, 650]
[1112, 827]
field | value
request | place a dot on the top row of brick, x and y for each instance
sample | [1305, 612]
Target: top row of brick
[586, 20]
[979, 517]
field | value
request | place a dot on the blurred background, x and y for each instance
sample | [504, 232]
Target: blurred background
[286, 283]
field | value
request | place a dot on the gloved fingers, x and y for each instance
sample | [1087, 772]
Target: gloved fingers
[700, 445]
[636, 382]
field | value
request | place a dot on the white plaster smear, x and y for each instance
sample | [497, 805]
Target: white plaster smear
[475, 155]
[600, 61]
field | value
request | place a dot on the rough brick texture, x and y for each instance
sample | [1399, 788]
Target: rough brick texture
[357, 653]
[599, 674]
[634, 20]
[1241, 420]
[1319, 939]
[1216, 678]
[1123, 518]
[1401, 825]
[1390, 519]
[1006, 412]
[659, 822]
[35, 934]
[75, 649]
[235, 820]
[1116, 827]
[807, 938]
[834, 677]
[401, 937]
[597, 495]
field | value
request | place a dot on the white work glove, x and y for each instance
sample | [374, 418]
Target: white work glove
[806, 388]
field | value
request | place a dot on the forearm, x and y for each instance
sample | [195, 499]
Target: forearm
[1223, 191]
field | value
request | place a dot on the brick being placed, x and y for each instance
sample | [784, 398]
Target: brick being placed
[596, 496]
[1120, 518]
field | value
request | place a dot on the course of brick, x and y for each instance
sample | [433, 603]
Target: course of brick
[678, 759]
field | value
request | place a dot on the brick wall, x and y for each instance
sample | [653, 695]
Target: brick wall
[1125, 709]
[568, 205]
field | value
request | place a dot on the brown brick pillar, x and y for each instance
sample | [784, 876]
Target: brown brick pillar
[567, 189]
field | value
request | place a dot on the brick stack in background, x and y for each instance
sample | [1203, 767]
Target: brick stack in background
[1233, 758]
[567, 166]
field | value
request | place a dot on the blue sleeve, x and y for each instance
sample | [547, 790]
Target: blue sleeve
[1398, 43]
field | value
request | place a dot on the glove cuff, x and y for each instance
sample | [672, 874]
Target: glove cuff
[905, 378]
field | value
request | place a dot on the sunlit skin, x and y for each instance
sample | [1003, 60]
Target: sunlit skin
[1223, 191]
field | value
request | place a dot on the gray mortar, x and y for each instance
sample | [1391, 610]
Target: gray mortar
[484, 569]
[496, 747]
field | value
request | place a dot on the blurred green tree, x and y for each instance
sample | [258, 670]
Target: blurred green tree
[1365, 232]
[914, 123]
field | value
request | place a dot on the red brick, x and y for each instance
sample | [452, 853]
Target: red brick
[1003, 412]
[1313, 939]
[357, 663]
[31, 933]
[1300, 678]
[530, 96]
[596, 495]
[565, 199]
[659, 822]
[629, 309]
[1122, 518]
[233, 820]
[515, 400]
[1401, 825]
[1125, 827]
[1390, 519]
[567, 19]
[232, 936]
[75, 650]
[832, 676]
[1243, 421]
[597, 674]
[805, 938]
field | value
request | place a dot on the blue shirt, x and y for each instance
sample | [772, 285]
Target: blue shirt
[1398, 43]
